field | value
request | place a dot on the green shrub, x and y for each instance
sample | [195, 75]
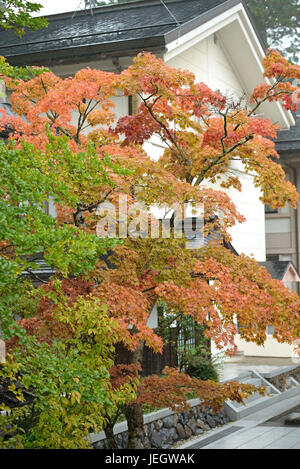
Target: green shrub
[198, 363]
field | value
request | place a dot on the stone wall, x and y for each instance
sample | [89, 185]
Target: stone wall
[281, 379]
[163, 429]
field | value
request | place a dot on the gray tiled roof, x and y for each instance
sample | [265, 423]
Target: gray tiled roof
[289, 140]
[4, 133]
[114, 30]
[276, 269]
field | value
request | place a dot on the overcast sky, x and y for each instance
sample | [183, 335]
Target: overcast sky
[57, 6]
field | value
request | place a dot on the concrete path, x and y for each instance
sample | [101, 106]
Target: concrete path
[236, 366]
[252, 433]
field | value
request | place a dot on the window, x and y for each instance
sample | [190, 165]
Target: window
[285, 257]
[269, 209]
[278, 225]
[272, 257]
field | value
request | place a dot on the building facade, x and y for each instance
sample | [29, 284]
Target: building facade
[283, 225]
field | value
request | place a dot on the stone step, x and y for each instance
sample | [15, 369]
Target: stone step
[252, 398]
[291, 382]
[252, 380]
[237, 411]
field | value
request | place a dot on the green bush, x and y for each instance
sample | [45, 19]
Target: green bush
[199, 363]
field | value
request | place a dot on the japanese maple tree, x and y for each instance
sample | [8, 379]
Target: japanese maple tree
[71, 130]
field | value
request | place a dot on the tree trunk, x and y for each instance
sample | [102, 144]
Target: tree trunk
[135, 421]
[110, 438]
[134, 412]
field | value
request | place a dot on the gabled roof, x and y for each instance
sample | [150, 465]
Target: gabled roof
[114, 30]
[165, 28]
[282, 270]
[288, 141]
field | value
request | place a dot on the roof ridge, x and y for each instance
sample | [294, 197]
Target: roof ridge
[116, 6]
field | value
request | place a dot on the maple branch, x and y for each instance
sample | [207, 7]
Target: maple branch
[217, 161]
[151, 96]
[219, 157]
[148, 289]
[6, 247]
[268, 95]
[82, 117]
[58, 127]
[36, 276]
[182, 155]
[225, 132]
[259, 103]
[43, 85]
[168, 323]
[81, 207]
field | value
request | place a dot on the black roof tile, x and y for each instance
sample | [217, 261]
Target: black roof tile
[289, 140]
[136, 26]
[276, 269]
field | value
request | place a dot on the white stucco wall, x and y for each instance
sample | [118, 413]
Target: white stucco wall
[210, 64]
[271, 348]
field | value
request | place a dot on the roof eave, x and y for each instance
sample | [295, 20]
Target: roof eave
[104, 50]
[291, 267]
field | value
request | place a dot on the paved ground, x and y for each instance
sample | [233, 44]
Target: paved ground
[236, 366]
[260, 437]
[255, 431]
[252, 432]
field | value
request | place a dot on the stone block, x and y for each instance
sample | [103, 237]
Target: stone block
[211, 421]
[180, 431]
[158, 424]
[192, 424]
[201, 424]
[168, 422]
[161, 438]
[199, 431]
[188, 431]
[293, 418]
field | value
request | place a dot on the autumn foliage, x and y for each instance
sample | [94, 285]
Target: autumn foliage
[71, 128]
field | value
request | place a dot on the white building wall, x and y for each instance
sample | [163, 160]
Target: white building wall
[210, 64]
[271, 348]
